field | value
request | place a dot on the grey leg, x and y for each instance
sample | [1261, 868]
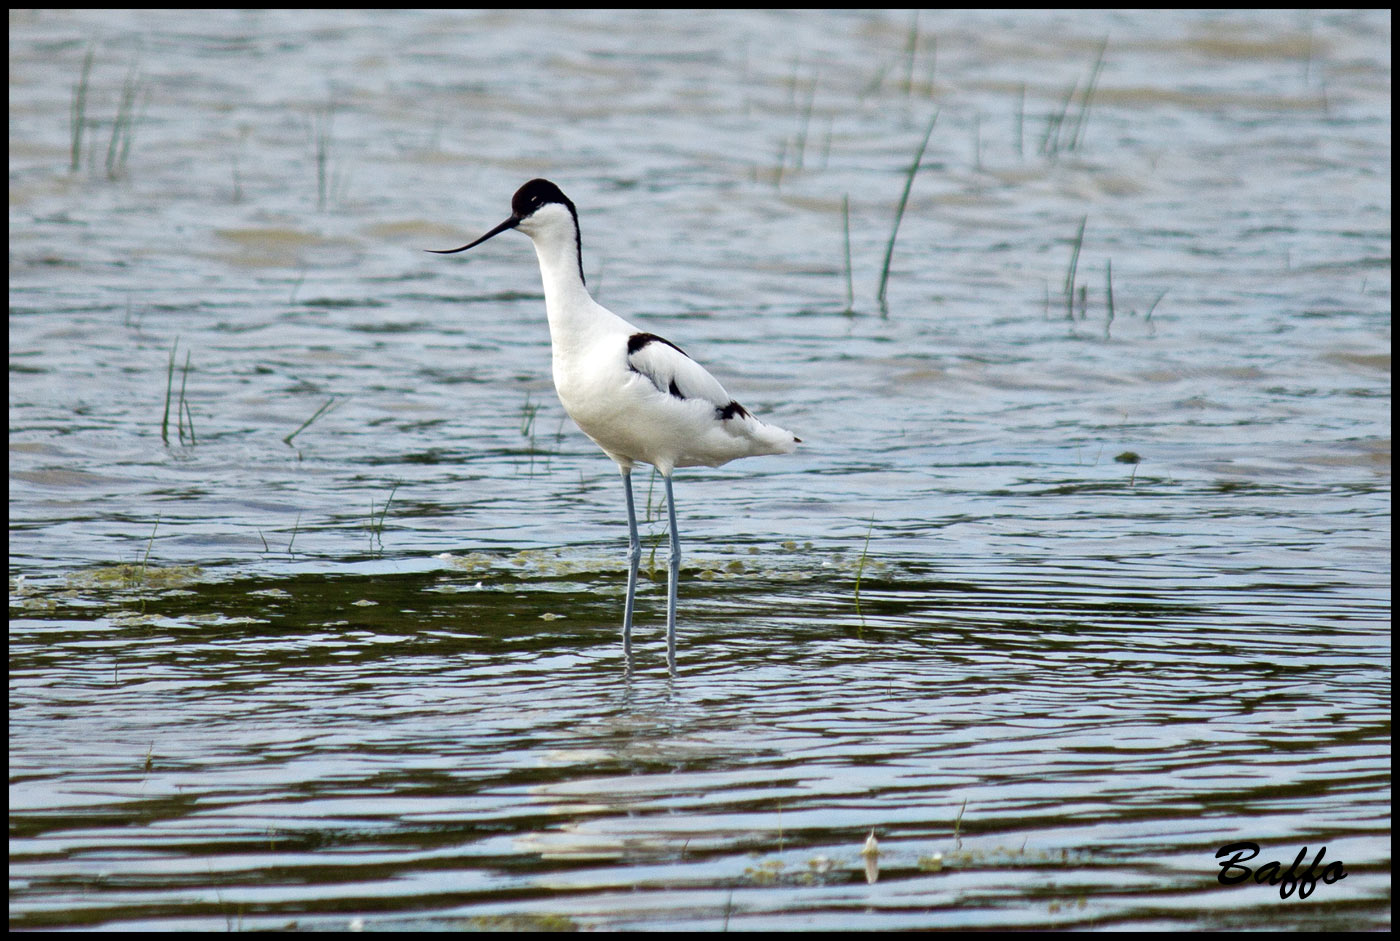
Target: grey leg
[673, 582]
[634, 558]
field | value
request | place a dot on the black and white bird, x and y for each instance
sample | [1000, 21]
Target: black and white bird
[638, 396]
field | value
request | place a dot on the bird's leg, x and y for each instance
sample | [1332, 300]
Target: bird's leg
[634, 559]
[673, 582]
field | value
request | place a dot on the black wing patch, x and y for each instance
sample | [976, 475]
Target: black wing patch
[667, 374]
[730, 410]
[638, 340]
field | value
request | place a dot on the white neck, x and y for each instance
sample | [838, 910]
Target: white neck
[556, 247]
[573, 314]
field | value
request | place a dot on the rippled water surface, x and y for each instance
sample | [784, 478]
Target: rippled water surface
[1082, 571]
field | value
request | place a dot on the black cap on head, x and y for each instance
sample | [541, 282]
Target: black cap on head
[535, 194]
[527, 201]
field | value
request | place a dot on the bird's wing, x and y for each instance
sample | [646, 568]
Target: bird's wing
[674, 373]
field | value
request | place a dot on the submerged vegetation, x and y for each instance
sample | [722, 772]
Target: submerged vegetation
[123, 123]
[183, 416]
[329, 404]
[899, 214]
[1063, 131]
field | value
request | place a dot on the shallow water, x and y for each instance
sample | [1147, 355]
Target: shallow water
[1054, 604]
